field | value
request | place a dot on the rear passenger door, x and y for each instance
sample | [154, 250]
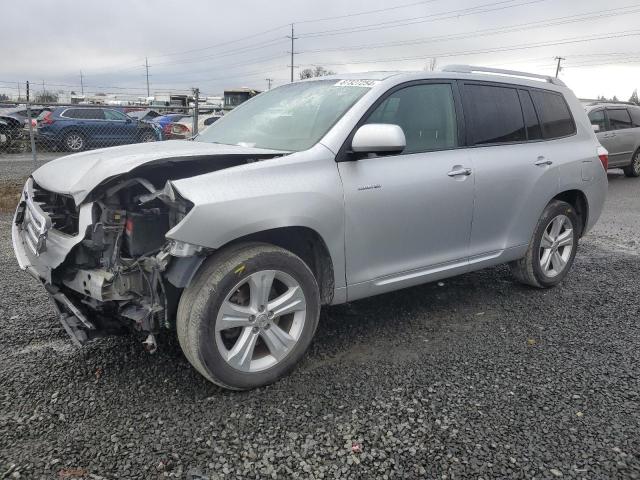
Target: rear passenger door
[620, 137]
[516, 171]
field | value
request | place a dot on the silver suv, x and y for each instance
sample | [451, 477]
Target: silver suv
[314, 193]
[617, 127]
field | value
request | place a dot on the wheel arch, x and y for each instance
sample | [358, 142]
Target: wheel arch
[304, 242]
[578, 200]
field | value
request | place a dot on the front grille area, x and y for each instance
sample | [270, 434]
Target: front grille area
[61, 209]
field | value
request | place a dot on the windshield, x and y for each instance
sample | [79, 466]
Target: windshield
[293, 117]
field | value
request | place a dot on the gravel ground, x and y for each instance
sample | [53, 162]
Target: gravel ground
[476, 378]
[17, 166]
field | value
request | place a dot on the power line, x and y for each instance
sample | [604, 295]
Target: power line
[483, 8]
[570, 40]
[551, 22]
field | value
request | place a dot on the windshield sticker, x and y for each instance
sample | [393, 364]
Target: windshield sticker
[357, 83]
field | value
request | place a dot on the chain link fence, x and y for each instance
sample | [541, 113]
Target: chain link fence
[82, 125]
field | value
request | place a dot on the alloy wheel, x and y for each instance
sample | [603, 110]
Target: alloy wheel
[260, 320]
[556, 245]
[74, 142]
[635, 165]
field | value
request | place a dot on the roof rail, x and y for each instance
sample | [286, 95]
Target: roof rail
[498, 71]
[610, 102]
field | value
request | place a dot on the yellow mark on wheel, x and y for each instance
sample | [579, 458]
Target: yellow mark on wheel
[240, 269]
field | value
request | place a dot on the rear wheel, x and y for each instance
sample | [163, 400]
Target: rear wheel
[633, 170]
[74, 142]
[552, 249]
[249, 315]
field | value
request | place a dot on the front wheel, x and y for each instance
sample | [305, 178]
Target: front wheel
[249, 315]
[633, 170]
[552, 249]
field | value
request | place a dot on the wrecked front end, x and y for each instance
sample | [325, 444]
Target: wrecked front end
[106, 264]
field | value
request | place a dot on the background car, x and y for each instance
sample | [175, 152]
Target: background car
[617, 127]
[11, 130]
[183, 128]
[165, 122]
[78, 128]
[145, 115]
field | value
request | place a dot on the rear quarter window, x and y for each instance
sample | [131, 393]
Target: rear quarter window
[555, 117]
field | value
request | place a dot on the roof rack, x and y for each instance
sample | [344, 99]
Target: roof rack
[610, 102]
[498, 71]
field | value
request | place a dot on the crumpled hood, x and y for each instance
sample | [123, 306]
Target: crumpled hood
[78, 174]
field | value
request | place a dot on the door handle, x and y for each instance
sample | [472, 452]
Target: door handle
[461, 171]
[543, 162]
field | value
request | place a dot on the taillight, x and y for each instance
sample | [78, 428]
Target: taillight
[603, 155]
[179, 129]
[47, 119]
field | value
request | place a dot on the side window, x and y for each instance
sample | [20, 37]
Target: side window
[426, 113]
[493, 114]
[597, 117]
[534, 132]
[555, 117]
[619, 118]
[71, 113]
[635, 116]
[114, 115]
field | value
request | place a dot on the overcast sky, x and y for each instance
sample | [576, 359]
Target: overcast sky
[216, 45]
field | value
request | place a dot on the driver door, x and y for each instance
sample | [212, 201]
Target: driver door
[408, 215]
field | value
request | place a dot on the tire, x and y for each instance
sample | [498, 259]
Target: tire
[147, 136]
[229, 281]
[540, 267]
[633, 170]
[74, 142]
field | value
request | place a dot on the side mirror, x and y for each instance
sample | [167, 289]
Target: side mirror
[596, 128]
[379, 138]
[129, 120]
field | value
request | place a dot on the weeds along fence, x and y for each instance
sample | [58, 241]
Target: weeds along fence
[77, 126]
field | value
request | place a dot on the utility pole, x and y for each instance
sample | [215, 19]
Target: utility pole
[196, 110]
[31, 136]
[43, 89]
[269, 80]
[18, 91]
[81, 82]
[558, 68]
[146, 65]
[293, 38]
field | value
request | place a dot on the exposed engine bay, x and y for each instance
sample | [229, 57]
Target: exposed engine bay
[124, 274]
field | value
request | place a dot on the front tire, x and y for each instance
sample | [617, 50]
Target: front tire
[552, 249]
[249, 315]
[633, 170]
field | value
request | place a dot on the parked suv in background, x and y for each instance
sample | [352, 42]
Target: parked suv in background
[77, 128]
[313, 193]
[617, 127]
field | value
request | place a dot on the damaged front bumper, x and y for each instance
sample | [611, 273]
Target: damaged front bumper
[39, 249]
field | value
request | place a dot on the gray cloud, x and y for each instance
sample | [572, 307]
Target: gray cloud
[108, 41]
